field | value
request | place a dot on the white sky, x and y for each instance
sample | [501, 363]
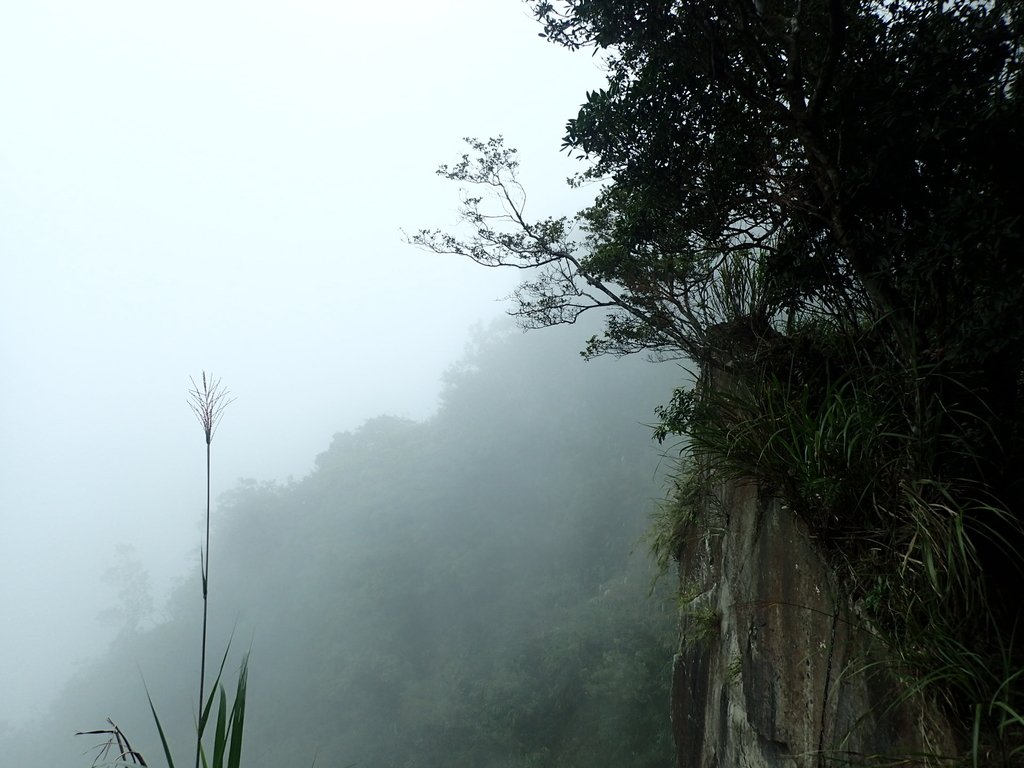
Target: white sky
[223, 184]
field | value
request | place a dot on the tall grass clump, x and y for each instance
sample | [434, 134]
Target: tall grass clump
[208, 399]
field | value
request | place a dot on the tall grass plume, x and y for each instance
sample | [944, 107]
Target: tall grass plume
[207, 398]
[207, 402]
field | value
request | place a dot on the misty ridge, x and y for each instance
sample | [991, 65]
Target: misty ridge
[816, 204]
[471, 589]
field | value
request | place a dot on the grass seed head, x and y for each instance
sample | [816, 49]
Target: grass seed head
[208, 402]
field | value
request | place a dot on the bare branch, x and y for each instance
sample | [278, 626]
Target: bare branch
[660, 301]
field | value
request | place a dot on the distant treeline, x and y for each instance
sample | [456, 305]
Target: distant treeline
[459, 591]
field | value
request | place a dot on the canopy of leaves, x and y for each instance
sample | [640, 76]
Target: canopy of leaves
[864, 155]
[864, 147]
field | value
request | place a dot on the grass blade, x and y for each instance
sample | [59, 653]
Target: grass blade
[219, 734]
[238, 715]
[160, 730]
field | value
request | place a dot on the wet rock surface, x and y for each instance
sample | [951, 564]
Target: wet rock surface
[774, 666]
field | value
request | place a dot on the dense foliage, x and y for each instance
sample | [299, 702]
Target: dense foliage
[863, 155]
[459, 591]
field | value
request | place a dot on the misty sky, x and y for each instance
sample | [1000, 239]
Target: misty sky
[223, 185]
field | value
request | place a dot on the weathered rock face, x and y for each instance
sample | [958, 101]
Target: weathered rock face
[774, 669]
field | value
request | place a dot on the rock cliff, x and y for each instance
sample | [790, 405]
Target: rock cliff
[774, 667]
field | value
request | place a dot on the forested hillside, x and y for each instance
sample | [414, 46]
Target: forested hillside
[454, 592]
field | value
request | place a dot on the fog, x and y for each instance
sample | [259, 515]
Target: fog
[222, 186]
[456, 590]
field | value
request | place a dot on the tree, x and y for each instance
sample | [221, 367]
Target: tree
[864, 156]
[130, 578]
[765, 160]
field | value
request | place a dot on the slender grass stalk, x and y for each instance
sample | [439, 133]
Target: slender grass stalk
[207, 402]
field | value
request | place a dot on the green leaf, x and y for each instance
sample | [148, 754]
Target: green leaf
[160, 729]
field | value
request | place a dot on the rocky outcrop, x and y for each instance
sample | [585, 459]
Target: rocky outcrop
[774, 667]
